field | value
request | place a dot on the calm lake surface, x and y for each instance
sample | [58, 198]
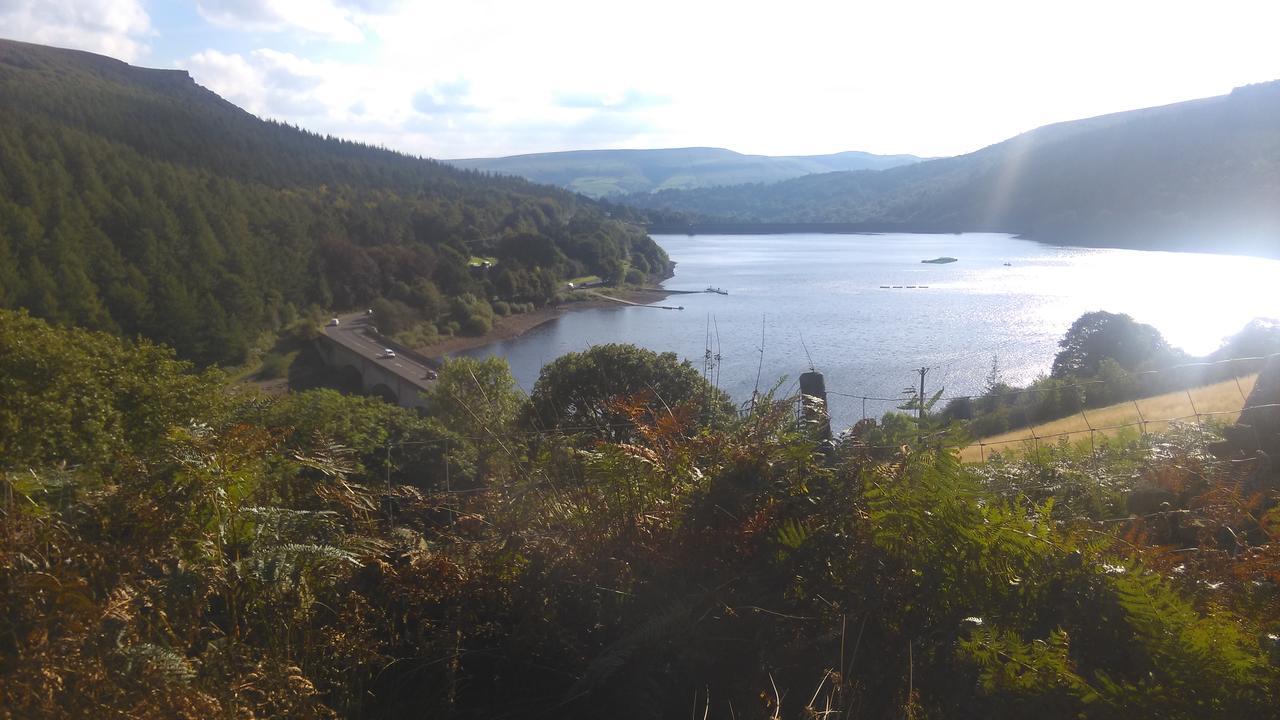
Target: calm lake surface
[825, 290]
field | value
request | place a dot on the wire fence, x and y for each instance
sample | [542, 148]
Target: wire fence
[1199, 413]
[1068, 386]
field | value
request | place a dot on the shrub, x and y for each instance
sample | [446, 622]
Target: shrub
[274, 366]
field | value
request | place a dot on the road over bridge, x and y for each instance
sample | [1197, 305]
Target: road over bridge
[352, 346]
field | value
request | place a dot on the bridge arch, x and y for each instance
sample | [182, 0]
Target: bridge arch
[385, 392]
[349, 379]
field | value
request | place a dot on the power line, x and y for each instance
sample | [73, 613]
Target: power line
[1059, 388]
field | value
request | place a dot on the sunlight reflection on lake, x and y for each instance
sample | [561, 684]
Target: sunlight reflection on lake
[825, 290]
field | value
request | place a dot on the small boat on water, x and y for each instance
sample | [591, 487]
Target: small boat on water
[940, 260]
[716, 290]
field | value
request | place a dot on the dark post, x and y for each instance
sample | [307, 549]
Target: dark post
[920, 410]
[813, 385]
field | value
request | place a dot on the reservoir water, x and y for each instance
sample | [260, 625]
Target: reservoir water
[1004, 297]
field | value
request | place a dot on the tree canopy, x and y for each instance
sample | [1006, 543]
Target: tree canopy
[583, 391]
[1100, 335]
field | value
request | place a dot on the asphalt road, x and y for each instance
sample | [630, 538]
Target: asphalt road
[350, 333]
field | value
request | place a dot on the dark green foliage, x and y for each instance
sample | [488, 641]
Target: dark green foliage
[318, 556]
[391, 317]
[1097, 336]
[274, 366]
[474, 403]
[85, 398]
[137, 202]
[474, 315]
[578, 392]
[385, 441]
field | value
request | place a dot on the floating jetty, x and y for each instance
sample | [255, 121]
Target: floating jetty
[620, 301]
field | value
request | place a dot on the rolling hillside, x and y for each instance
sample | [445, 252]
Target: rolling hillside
[1220, 402]
[1203, 174]
[137, 202]
[599, 173]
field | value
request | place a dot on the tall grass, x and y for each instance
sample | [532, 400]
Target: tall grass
[1224, 397]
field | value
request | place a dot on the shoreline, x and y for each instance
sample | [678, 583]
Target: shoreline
[513, 326]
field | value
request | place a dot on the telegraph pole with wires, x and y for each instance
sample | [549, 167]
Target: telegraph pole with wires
[920, 398]
[920, 408]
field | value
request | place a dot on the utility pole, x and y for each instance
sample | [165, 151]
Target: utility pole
[920, 408]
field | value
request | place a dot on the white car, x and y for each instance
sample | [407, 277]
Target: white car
[333, 322]
[387, 353]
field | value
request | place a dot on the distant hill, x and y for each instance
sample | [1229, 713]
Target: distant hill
[137, 202]
[600, 173]
[1203, 174]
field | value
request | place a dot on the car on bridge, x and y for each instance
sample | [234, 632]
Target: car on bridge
[387, 353]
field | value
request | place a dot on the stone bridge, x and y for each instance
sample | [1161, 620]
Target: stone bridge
[354, 349]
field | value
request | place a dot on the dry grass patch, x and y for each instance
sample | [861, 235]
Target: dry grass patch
[1221, 401]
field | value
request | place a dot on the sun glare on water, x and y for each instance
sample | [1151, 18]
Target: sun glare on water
[1195, 300]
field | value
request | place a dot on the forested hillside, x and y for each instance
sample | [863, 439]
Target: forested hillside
[1203, 175]
[600, 173]
[138, 202]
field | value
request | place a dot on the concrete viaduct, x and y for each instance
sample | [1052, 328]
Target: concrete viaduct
[353, 347]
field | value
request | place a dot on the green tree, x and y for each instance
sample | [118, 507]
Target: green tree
[87, 398]
[375, 431]
[1097, 335]
[476, 402]
[579, 392]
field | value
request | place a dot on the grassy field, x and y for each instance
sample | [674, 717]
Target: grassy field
[1223, 397]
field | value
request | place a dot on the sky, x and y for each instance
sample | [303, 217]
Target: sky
[484, 78]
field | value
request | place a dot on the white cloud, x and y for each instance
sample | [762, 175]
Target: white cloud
[266, 82]
[330, 19]
[501, 77]
[483, 77]
[403, 106]
[110, 27]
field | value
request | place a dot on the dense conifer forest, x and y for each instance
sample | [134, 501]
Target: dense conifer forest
[135, 201]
